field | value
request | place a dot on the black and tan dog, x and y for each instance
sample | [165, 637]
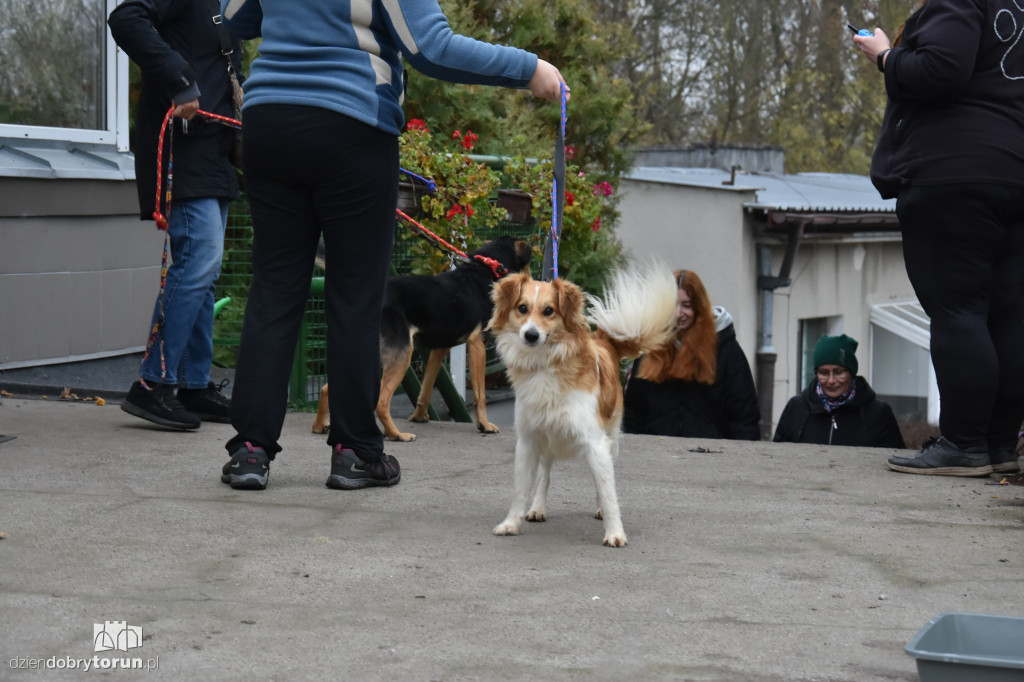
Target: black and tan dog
[438, 312]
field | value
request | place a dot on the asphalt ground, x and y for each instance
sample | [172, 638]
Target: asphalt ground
[746, 561]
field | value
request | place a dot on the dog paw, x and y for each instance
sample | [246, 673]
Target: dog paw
[615, 539]
[598, 514]
[487, 427]
[321, 428]
[506, 528]
[401, 437]
[419, 418]
[536, 516]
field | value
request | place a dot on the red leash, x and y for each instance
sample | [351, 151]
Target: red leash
[497, 268]
[161, 219]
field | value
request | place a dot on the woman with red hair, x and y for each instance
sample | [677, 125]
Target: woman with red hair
[699, 384]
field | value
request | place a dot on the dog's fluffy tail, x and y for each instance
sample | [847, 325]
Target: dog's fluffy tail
[638, 311]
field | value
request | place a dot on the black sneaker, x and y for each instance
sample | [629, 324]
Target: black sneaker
[1004, 459]
[248, 468]
[209, 404]
[159, 406]
[941, 457]
[348, 472]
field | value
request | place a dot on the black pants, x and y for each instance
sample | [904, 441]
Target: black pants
[964, 250]
[311, 171]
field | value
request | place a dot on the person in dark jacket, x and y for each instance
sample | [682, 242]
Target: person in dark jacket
[177, 46]
[951, 151]
[699, 385]
[838, 407]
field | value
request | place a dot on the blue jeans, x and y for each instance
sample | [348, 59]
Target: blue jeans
[196, 230]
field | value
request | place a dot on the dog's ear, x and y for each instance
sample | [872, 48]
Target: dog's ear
[570, 304]
[504, 293]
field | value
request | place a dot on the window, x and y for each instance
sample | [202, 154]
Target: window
[901, 368]
[60, 71]
[812, 329]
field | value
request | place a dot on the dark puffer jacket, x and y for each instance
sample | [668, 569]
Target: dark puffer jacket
[726, 409]
[176, 46]
[864, 421]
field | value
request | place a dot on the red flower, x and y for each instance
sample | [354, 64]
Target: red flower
[417, 124]
[469, 210]
[468, 139]
[570, 198]
[597, 224]
[604, 188]
[570, 152]
[453, 211]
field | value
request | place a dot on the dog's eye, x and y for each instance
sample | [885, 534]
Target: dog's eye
[549, 311]
[522, 308]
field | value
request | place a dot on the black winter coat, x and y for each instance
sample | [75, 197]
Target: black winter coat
[726, 409]
[177, 48]
[864, 421]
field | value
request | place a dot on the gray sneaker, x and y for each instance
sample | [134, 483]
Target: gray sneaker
[1004, 459]
[941, 457]
[349, 472]
[248, 468]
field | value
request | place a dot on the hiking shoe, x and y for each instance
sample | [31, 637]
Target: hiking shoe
[348, 472]
[159, 406]
[209, 404]
[248, 468]
[1004, 460]
[941, 457]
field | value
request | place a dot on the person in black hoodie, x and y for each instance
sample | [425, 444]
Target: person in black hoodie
[951, 151]
[177, 45]
[838, 407]
[698, 385]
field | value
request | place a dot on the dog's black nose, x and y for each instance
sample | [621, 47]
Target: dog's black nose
[531, 336]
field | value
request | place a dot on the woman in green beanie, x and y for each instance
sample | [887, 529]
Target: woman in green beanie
[838, 407]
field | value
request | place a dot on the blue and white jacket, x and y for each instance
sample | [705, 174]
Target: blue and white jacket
[346, 55]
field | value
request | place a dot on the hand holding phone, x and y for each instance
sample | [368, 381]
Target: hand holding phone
[860, 31]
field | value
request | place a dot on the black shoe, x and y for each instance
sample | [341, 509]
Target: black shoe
[1004, 459]
[941, 457]
[209, 404]
[348, 472]
[159, 406]
[248, 468]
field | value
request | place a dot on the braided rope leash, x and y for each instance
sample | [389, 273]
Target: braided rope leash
[497, 268]
[558, 189]
[161, 221]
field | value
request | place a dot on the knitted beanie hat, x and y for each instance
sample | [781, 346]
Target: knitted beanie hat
[836, 350]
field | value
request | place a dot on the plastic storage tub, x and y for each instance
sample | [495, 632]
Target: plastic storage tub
[969, 647]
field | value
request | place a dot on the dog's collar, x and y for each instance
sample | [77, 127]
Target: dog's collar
[497, 268]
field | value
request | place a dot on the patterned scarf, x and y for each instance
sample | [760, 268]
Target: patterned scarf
[829, 403]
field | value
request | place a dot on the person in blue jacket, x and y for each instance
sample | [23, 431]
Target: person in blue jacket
[951, 151]
[322, 116]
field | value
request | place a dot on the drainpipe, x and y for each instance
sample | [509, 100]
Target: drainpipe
[766, 355]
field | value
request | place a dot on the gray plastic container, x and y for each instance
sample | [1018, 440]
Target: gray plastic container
[969, 647]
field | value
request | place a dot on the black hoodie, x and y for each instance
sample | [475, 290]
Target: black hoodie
[864, 421]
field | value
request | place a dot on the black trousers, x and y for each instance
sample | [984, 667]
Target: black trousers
[310, 171]
[963, 246]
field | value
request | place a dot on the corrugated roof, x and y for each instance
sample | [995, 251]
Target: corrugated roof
[798, 192]
[58, 159]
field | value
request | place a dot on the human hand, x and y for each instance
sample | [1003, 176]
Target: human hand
[547, 82]
[873, 44]
[187, 110]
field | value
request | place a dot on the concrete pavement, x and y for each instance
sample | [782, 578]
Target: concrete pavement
[746, 561]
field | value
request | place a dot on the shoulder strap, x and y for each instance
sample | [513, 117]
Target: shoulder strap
[222, 33]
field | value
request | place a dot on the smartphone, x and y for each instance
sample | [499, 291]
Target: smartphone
[859, 31]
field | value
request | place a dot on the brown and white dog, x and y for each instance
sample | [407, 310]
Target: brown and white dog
[566, 377]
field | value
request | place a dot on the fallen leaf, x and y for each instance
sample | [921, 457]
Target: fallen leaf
[101, 401]
[7, 394]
